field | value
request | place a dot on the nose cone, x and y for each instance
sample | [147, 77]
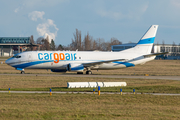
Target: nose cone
[8, 61]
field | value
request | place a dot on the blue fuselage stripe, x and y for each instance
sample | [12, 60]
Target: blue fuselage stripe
[125, 63]
[24, 65]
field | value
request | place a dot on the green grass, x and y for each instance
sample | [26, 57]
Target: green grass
[5, 57]
[90, 106]
[83, 106]
[143, 89]
[44, 83]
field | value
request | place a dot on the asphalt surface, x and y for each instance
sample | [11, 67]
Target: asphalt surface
[100, 76]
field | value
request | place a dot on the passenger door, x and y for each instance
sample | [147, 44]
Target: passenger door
[29, 57]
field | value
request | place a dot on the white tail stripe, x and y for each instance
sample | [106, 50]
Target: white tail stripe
[151, 32]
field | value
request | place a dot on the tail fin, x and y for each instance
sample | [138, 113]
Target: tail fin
[149, 36]
[145, 44]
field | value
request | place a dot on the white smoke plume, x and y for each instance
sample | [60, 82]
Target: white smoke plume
[35, 15]
[44, 29]
[47, 27]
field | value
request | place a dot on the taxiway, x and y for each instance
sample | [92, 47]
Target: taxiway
[101, 76]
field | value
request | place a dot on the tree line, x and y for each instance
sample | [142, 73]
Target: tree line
[88, 43]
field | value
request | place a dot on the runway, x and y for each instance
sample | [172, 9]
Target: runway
[100, 76]
[58, 92]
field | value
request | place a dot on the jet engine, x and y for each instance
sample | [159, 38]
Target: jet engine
[75, 67]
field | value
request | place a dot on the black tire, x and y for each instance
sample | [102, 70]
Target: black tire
[79, 72]
[22, 72]
[88, 72]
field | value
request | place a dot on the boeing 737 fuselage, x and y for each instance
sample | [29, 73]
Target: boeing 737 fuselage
[79, 61]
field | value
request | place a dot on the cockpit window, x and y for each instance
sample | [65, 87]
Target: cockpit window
[17, 56]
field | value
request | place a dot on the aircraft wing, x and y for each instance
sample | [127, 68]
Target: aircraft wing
[100, 62]
[155, 54]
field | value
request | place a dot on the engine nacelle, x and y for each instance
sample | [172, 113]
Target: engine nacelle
[75, 67]
[58, 70]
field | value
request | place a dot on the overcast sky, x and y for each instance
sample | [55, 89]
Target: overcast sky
[126, 20]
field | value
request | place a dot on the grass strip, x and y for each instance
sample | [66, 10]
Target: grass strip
[85, 106]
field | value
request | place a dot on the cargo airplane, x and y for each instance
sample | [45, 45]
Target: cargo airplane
[79, 61]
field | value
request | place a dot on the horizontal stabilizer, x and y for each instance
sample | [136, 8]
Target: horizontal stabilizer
[155, 54]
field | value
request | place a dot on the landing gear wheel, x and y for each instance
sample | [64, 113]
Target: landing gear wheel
[88, 72]
[79, 72]
[22, 72]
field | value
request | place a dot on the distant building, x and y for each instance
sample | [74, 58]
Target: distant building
[14, 40]
[174, 50]
[13, 45]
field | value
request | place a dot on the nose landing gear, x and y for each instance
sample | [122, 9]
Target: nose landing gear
[21, 69]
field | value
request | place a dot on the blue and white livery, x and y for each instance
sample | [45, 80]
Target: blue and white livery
[79, 61]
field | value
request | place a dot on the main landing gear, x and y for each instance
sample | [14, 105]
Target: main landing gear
[88, 72]
[22, 72]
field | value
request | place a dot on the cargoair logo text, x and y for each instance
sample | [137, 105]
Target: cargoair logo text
[56, 56]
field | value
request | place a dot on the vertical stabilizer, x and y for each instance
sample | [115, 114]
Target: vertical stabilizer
[149, 36]
[145, 44]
